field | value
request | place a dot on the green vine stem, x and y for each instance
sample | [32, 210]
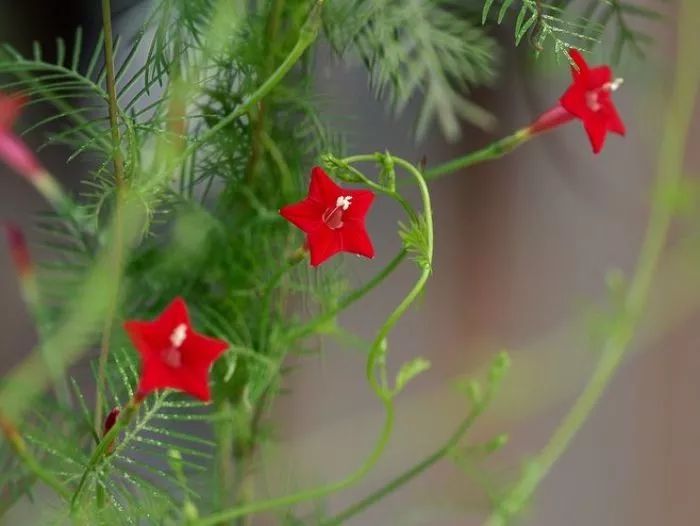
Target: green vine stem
[375, 361]
[480, 404]
[670, 168]
[354, 296]
[118, 162]
[103, 447]
[492, 151]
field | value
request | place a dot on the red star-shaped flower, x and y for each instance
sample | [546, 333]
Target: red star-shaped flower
[333, 218]
[173, 355]
[589, 99]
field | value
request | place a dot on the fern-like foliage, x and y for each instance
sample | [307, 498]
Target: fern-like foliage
[564, 24]
[630, 23]
[545, 23]
[73, 85]
[134, 478]
[418, 48]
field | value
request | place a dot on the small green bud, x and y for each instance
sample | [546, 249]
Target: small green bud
[496, 443]
[388, 173]
[499, 367]
[190, 511]
[473, 390]
[330, 161]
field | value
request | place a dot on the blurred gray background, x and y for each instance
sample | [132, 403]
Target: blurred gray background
[523, 246]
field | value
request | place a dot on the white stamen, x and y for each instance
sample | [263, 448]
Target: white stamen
[178, 336]
[343, 201]
[614, 85]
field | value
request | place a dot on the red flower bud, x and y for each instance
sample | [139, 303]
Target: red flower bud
[109, 424]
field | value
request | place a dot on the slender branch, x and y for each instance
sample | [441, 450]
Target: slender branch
[313, 325]
[489, 153]
[271, 30]
[103, 447]
[670, 169]
[113, 104]
[296, 258]
[20, 448]
[118, 162]
[29, 286]
[413, 471]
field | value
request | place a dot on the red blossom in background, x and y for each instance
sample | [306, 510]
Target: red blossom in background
[173, 355]
[13, 151]
[333, 218]
[18, 250]
[588, 99]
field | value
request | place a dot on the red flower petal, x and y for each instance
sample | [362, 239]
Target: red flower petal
[574, 101]
[305, 215]
[361, 202]
[579, 61]
[322, 189]
[595, 128]
[597, 77]
[615, 123]
[323, 244]
[356, 241]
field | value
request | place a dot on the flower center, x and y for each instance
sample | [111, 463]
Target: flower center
[592, 96]
[172, 355]
[333, 216]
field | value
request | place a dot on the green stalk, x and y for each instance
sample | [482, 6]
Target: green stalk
[102, 448]
[288, 500]
[356, 295]
[118, 162]
[410, 473]
[670, 168]
[489, 153]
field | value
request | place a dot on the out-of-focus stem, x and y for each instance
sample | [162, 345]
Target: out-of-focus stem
[105, 445]
[669, 171]
[492, 151]
[119, 180]
[20, 448]
[26, 274]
